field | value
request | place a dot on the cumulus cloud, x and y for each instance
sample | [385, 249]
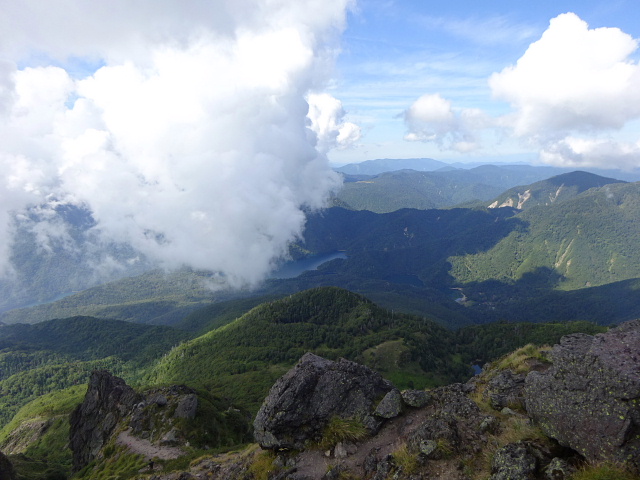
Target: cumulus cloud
[431, 118]
[570, 88]
[327, 121]
[189, 143]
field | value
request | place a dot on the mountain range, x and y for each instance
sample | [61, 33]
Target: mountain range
[419, 295]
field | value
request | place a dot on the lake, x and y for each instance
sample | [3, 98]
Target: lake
[296, 267]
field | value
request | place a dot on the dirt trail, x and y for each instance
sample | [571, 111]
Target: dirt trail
[146, 448]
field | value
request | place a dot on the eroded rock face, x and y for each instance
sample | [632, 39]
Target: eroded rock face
[589, 399]
[107, 401]
[303, 401]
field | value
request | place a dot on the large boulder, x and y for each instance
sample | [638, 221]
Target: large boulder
[307, 397]
[107, 401]
[589, 400]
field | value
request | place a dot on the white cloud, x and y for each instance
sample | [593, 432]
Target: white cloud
[580, 152]
[573, 82]
[431, 118]
[190, 143]
[327, 121]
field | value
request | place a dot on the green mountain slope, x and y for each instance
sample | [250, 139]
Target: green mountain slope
[392, 191]
[49, 356]
[553, 190]
[154, 297]
[242, 360]
[589, 240]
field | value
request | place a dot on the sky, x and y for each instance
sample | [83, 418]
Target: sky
[492, 81]
[200, 132]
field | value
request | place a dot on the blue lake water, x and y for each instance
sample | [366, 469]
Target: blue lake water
[294, 268]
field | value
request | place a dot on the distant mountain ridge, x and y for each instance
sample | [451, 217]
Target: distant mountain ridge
[553, 190]
[484, 185]
[374, 167]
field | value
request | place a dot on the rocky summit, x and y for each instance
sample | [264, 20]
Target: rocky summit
[535, 414]
[589, 400]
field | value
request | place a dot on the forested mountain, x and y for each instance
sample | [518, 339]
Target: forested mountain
[392, 191]
[56, 354]
[485, 185]
[460, 266]
[588, 240]
[553, 190]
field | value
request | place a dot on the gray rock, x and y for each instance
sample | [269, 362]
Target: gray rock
[108, 399]
[416, 398]
[506, 389]
[428, 447]
[390, 406]
[589, 400]
[439, 429]
[159, 399]
[187, 406]
[489, 424]
[513, 462]
[340, 451]
[559, 469]
[302, 401]
[170, 438]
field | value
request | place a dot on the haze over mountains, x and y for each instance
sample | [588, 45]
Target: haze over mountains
[572, 232]
[418, 294]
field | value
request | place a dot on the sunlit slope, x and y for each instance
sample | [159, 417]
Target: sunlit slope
[242, 359]
[550, 191]
[591, 239]
[392, 191]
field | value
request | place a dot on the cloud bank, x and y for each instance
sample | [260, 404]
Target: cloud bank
[571, 94]
[431, 118]
[326, 116]
[190, 140]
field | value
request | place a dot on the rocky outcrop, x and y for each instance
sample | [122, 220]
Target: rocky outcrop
[157, 423]
[514, 461]
[304, 400]
[107, 401]
[589, 400]
[7, 471]
[506, 389]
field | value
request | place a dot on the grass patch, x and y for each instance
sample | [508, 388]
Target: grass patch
[121, 465]
[604, 472]
[262, 465]
[406, 460]
[48, 405]
[341, 430]
[519, 361]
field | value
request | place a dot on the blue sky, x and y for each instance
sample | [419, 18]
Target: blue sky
[395, 51]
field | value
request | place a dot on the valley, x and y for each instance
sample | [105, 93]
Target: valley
[419, 295]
